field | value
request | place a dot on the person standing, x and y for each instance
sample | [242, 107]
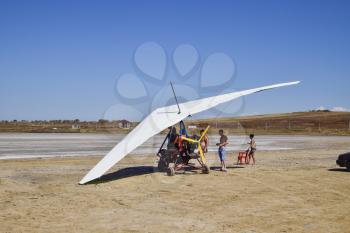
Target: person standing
[204, 142]
[252, 149]
[222, 149]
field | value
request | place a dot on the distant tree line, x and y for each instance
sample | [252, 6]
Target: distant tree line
[75, 121]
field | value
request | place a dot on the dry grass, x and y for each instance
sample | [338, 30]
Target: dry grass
[308, 123]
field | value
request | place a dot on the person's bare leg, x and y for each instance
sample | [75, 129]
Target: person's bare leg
[253, 158]
[247, 160]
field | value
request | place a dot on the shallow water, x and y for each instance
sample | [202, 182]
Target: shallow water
[34, 145]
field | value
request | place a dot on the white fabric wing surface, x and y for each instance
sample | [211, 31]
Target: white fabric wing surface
[161, 119]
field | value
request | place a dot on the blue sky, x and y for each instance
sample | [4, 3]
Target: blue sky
[61, 59]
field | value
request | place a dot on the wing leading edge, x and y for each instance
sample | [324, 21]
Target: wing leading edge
[161, 119]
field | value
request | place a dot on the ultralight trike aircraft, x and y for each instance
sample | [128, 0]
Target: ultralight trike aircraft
[159, 120]
[180, 150]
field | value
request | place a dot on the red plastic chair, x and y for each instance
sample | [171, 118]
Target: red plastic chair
[242, 157]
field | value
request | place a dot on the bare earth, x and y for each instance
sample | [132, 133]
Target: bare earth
[287, 191]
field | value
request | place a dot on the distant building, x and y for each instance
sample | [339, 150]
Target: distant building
[124, 124]
[75, 126]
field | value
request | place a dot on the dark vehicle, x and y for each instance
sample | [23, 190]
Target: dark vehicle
[344, 160]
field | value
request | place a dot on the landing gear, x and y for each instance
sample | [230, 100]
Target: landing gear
[179, 151]
[206, 169]
[163, 162]
[170, 171]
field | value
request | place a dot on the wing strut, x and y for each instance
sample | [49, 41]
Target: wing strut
[177, 103]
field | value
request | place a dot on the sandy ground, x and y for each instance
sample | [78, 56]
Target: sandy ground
[287, 191]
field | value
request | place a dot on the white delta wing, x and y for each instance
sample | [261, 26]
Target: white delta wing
[159, 120]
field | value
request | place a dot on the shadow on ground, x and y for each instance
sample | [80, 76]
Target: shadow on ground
[125, 173]
[338, 170]
[227, 167]
[144, 170]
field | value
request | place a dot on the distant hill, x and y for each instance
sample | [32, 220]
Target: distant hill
[308, 123]
[67, 126]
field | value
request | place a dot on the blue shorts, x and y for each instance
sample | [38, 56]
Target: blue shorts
[222, 154]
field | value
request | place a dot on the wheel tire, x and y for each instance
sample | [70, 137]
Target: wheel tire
[170, 171]
[348, 166]
[206, 169]
[162, 165]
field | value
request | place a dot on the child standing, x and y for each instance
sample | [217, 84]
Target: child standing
[252, 148]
